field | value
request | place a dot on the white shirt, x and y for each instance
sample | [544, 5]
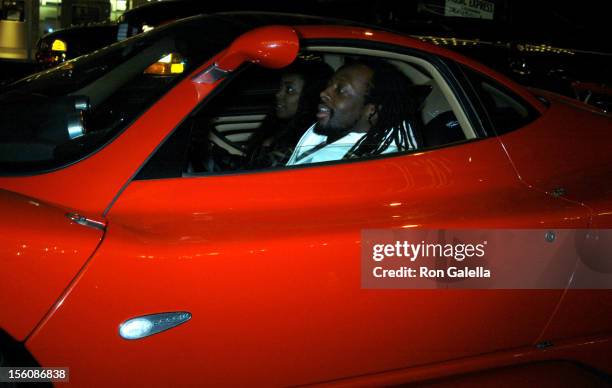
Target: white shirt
[334, 151]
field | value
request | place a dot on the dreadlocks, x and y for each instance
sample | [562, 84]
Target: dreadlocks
[396, 110]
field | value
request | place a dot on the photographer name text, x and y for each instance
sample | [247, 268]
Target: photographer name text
[438, 255]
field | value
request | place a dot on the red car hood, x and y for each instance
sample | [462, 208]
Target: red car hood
[41, 251]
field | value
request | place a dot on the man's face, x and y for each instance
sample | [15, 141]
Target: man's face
[342, 108]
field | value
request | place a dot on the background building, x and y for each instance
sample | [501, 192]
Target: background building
[23, 22]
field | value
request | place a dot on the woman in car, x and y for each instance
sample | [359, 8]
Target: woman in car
[295, 109]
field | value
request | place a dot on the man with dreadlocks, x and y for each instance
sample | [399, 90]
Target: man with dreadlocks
[365, 110]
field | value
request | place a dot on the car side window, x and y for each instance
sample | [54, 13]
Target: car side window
[505, 109]
[223, 131]
[322, 108]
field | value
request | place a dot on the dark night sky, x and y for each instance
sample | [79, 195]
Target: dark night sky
[574, 24]
[582, 23]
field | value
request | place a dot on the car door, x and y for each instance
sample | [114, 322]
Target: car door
[267, 263]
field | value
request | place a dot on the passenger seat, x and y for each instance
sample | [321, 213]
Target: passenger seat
[440, 124]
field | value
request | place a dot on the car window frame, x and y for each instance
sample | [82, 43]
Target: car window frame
[533, 113]
[455, 81]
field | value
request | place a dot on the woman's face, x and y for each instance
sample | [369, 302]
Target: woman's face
[288, 96]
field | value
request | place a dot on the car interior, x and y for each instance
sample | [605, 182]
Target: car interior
[221, 131]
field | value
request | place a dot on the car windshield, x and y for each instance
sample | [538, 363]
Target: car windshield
[62, 115]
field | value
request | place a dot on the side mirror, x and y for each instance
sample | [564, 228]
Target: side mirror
[272, 47]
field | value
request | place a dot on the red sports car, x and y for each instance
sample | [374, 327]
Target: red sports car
[139, 246]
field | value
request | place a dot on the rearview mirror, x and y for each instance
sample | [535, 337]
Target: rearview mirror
[272, 47]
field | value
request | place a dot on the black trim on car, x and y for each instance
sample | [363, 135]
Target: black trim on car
[476, 112]
[532, 113]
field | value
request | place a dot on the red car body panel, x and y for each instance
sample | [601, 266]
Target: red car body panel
[268, 263]
[572, 157]
[288, 282]
[41, 251]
